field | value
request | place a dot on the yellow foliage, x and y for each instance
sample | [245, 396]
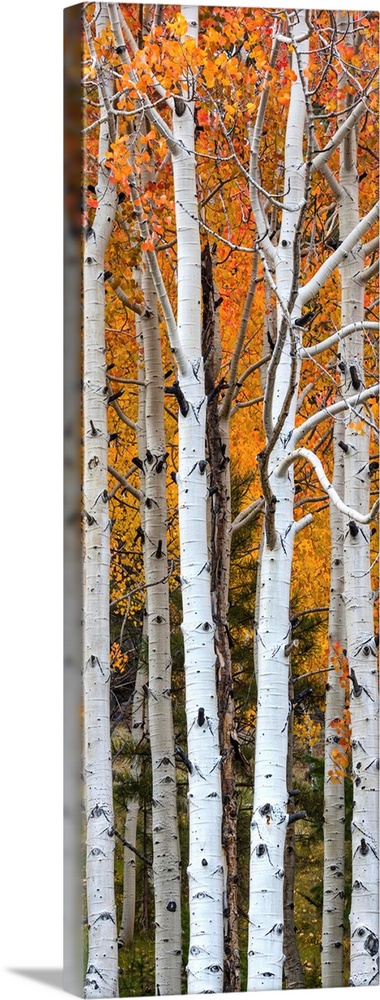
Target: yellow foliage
[119, 660]
[306, 730]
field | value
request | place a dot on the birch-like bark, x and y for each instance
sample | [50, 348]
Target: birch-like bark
[205, 869]
[166, 848]
[334, 804]
[139, 722]
[361, 649]
[102, 965]
[218, 448]
[269, 819]
[217, 434]
[176, 150]
[139, 729]
[293, 970]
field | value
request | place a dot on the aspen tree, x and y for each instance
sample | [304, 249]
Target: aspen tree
[166, 847]
[166, 853]
[205, 869]
[153, 513]
[138, 724]
[293, 969]
[334, 793]
[139, 721]
[102, 965]
[218, 422]
[334, 796]
[269, 818]
[173, 114]
[361, 648]
[274, 634]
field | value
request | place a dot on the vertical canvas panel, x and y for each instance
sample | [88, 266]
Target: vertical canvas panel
[221, 498]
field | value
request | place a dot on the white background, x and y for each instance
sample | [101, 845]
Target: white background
[31, 875]
[31, 496]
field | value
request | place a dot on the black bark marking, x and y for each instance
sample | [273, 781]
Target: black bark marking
[355, 378]
[180, 106]
[175, 390]
[371, 944]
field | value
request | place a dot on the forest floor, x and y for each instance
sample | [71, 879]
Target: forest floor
[137, 962]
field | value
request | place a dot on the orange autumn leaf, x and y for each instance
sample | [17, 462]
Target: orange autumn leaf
[148, 245]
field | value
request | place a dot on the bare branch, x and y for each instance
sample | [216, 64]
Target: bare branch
[125, 484]
[254, 140]
[247, 402]
[324, 345]
[227, 401]
[313, 287]
[123, 416]
[217, 236]
[368, 273]
[329, 411]
[134, 850]
[135, 307]
[146, 105]
[355, 515]
[372, 246]
[302, 523]
[248, 515]
[251, 368]
[331, 180]
[305, 392]
[337, 139]
[144, 586]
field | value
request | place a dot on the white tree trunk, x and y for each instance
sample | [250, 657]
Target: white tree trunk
[219, 533]
[153, 510]
[127, 923]
[139, 729]
[269, 819]
[139, 722]
[166, 849]
[361, 649]
[102, 967]
[205, 870]
[334, 805]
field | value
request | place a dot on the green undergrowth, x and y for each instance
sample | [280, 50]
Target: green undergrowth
[136, 967]
[136, 962]
[308, 906]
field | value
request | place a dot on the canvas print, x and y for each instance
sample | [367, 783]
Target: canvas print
[229, 737]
